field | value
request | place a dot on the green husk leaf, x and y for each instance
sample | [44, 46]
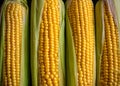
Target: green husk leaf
[62, 45]
[36, 16]
[25, 73]
[24, 77]
[99, 37]
[1, 43]
[71, 65]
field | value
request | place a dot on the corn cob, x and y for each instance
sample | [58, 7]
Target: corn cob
[80, 32]
[47, 54]
[108, 54]
[15, 48]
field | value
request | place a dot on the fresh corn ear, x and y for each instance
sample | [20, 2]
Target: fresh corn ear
[14, 44]
[108, 42]
[47, 43]
[80, 43]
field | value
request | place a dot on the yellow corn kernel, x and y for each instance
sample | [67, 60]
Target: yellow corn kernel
[110, 59]
[81, 17]
[49, 44]
[13, 40]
